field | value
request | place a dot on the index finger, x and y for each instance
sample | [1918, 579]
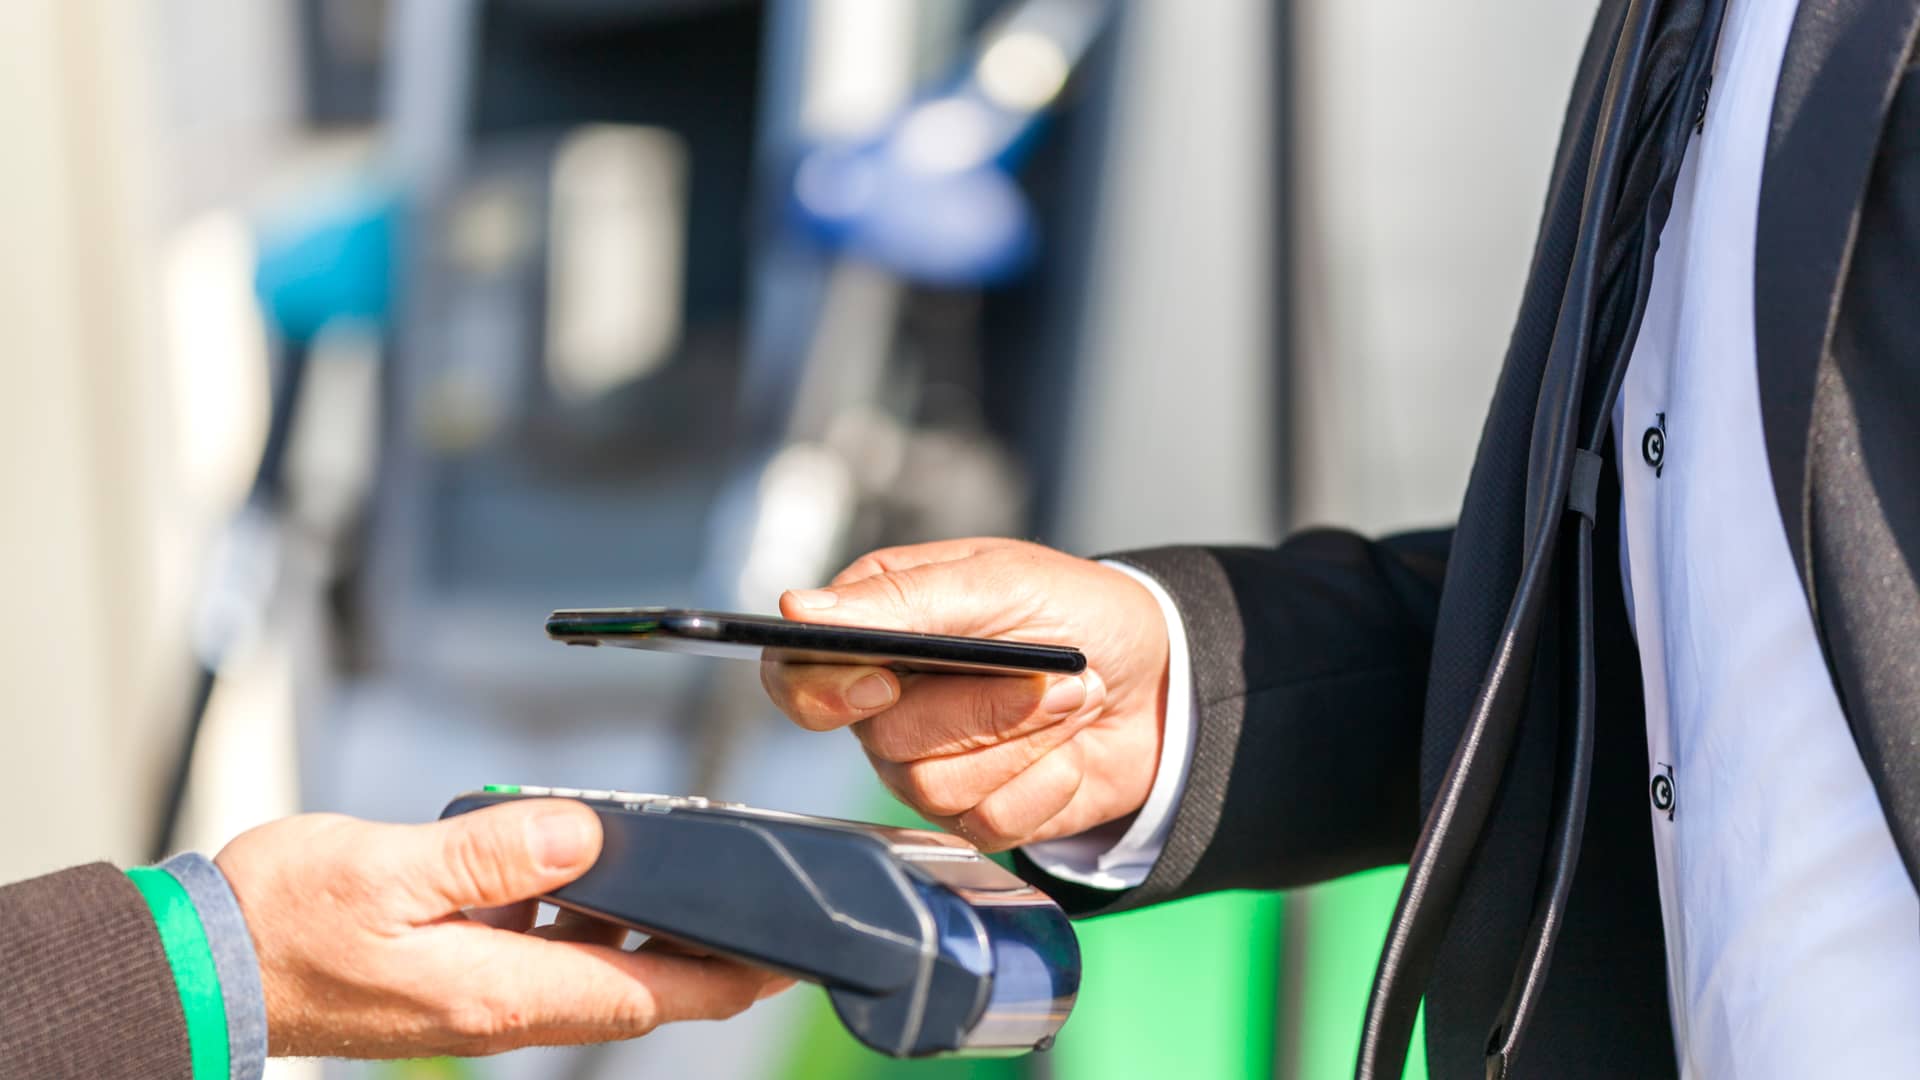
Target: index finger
[892, 560]
[569, 992]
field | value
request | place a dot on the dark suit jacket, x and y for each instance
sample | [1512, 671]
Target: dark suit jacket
[1334, 674]
[85, 989]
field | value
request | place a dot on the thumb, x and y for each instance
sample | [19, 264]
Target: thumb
[499, 855]
[938, 598]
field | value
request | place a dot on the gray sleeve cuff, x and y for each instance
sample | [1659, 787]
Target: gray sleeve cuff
[233, 959]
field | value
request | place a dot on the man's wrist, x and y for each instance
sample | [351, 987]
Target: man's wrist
[1119, 854]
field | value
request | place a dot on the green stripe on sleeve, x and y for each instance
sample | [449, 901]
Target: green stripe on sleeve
[194, 976]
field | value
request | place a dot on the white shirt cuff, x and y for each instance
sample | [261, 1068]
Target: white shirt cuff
[1118, 855]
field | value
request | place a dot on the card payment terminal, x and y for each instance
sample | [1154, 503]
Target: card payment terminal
[924, 945]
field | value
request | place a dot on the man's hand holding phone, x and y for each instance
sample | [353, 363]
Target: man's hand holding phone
[1002, 761]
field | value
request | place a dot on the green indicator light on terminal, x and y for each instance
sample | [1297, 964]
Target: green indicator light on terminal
[502, 789]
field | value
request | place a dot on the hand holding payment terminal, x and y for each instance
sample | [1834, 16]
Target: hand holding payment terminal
[923, 945]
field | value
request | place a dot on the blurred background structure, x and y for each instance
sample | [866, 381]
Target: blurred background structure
[536, 303]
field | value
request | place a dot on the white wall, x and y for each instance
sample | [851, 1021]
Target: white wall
[84, 693]
[1427, 134]
[1171, 432]
[1423, 139]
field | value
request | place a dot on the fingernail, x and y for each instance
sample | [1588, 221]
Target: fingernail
[872, 692]
[1063, 697]
[814, 599]
[561, 840]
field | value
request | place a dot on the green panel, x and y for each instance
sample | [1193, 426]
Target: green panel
[442, 1068]
[1345, 923]
[1181, 990]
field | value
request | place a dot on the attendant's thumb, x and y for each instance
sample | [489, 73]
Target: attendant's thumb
[500, 855]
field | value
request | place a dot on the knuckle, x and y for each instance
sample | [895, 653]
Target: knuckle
[480, 1020]
[894, 589]
[734, 998]
[931, 790]
[888, 774]
[740, 1000]
[865, 566]
[885, 741]
[815, 706]
[473, 867]
[635, 1013]
[991, 826]
[994, 715]
[982, 721]
[985, 833]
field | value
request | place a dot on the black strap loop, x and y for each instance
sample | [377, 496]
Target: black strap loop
[1583, 493]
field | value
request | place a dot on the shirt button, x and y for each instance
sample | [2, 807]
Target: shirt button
[1662, 791]
[1653, 444]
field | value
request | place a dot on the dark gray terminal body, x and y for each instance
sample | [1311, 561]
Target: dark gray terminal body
[924, 946]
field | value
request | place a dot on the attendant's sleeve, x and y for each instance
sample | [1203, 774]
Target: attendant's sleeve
[86, 989]
[147, 973]
[1309, 670]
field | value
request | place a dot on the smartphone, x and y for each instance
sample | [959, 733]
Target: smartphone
[756, 637]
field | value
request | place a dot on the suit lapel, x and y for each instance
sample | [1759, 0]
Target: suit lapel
[1842, 62]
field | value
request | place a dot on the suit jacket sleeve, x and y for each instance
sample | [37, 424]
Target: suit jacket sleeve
[85, 989]
[1309, 674]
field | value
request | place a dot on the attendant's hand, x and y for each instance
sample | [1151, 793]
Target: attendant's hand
[1001, 761]
[413, 940]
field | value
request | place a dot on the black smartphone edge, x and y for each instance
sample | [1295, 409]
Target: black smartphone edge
[659, 627]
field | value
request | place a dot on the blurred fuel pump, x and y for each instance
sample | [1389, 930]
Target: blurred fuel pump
[932, 197]
[331, 261]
